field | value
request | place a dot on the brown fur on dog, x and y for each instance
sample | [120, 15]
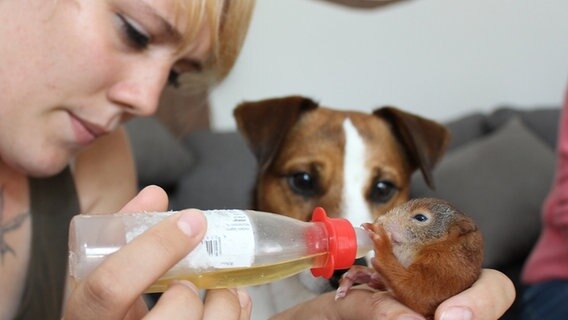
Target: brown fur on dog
[299, 147]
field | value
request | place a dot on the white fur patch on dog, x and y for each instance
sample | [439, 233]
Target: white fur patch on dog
[355, 175]
[283, 294]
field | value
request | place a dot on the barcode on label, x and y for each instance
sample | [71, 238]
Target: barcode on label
[213, 246]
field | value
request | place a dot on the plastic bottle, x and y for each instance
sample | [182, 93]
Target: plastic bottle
[240, 247]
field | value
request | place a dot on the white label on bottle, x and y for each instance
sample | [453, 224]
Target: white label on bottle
[228, 242]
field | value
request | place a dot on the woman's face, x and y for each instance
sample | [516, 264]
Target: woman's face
[73, 70]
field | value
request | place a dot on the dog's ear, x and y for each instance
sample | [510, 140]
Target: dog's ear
[425, 140]
[265, 123]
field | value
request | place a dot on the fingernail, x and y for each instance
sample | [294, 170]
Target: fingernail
[187, 284]
[244, 299]
[189, 223]
[409, 317]
[457, 313]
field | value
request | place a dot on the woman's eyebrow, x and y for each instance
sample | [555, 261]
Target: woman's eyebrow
[165, 26]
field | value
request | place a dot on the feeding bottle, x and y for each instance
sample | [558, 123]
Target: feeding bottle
[240, 247]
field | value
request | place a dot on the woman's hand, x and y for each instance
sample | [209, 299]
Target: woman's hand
[114, 289]
[487, 299]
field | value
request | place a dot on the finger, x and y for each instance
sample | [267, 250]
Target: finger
[361, 303]
[180, 301]
[489, 297]
[151, 198]
[225, 304]
[365, 303]
[246, 304]
[109, 291]
[137, 310]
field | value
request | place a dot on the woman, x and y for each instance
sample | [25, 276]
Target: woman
[71, 72]
[546, 269]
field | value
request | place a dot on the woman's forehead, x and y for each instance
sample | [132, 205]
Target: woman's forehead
[184, 16]
[186, 21]
[199, 22]
[174, 13]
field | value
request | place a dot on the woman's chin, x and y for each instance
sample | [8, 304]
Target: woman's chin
[42, 167]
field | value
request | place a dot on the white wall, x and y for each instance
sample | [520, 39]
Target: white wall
[437, 58]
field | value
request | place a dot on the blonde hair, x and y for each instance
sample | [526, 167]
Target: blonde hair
[228, 22]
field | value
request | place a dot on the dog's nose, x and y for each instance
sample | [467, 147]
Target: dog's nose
[334, 280]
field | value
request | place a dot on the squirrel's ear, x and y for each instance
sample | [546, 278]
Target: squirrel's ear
[470, 235]
[471, 240]
[464, 226]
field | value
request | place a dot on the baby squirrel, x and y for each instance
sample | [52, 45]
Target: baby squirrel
[425, 252]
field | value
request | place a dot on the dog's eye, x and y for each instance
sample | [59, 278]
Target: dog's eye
[382, 191]
[303, 184]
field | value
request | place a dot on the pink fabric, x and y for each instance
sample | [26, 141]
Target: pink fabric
[549, 258]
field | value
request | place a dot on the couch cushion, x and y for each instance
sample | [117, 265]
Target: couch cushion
[160, 157]
[542, 121]
[466, 129]
[222, 176]
[501, 181]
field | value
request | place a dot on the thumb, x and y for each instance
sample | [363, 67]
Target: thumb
[151, 198]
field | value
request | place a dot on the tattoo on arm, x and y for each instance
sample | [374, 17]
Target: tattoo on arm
[8, 226]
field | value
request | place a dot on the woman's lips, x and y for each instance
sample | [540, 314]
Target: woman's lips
[85, 132]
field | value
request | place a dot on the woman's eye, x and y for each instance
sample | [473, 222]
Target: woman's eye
[181, 68]
[173, 79]
[135, 37]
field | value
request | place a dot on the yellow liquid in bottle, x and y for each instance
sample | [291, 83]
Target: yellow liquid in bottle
[248, 276]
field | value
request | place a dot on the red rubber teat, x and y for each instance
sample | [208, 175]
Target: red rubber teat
[342, 243]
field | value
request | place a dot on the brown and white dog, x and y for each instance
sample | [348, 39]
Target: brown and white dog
[355, 165]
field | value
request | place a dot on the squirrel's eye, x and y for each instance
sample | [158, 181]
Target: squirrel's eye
[420, 217]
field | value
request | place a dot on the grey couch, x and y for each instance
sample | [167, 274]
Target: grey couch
[498, 169]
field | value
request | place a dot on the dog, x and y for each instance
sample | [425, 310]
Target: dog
[355, 165]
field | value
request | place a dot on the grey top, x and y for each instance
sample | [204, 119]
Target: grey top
[53, 202]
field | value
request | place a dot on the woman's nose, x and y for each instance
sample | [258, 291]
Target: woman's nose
[140, 88]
